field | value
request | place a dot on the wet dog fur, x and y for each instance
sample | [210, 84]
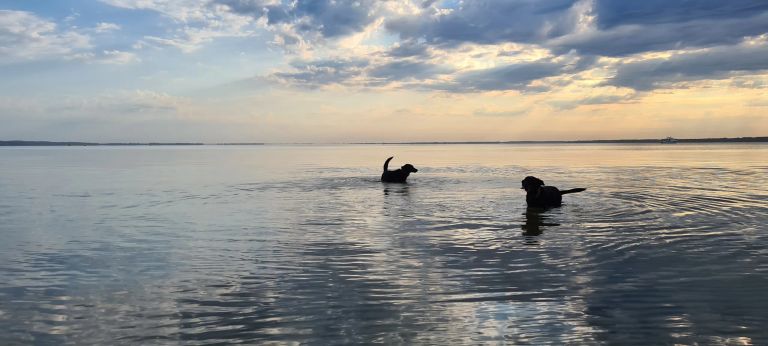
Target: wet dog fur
[398, 175]
[538, 195]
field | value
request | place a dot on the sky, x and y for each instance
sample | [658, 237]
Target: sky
[331, 71]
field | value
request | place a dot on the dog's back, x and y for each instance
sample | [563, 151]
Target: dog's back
[540, 196]
[547, 196]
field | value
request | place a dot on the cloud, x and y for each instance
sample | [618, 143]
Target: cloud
[591, 100]
[404, 69]
[194, 22]
[332, 18]
[180, 10]
[184, 45]
[507, 77]
[136, 103]
[113, 57]
[106, 27]
[25, 36]
[598, 27]
[650, 12]
[318, 73]
[488, 22]
[592, 27]
[713, 63]
[455, 70]
[305, 23]
[456, 46]
[118, 106]
[631, 39]
[750, 82]
[409, 48]
[500, 113]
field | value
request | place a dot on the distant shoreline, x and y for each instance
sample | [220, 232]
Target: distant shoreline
[600, 141]
[17, 143]
[21, 143]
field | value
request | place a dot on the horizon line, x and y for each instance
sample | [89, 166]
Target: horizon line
[579, 141]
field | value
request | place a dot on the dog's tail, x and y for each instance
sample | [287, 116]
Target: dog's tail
[573, 190]
[386, 163]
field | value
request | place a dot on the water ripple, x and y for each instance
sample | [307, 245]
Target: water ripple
[652, 254]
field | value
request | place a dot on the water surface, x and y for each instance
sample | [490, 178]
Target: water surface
[303, 244]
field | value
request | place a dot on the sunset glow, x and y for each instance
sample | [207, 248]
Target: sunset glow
[360, 71]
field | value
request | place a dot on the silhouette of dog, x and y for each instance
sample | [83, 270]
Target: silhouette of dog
[398, 175]
[540, 196]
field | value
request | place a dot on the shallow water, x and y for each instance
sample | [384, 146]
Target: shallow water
[303, 244]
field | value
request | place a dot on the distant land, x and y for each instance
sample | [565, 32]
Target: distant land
[20, 143]
[607, 141]
[16, 143]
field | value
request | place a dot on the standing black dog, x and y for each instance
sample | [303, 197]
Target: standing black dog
[540, 196]
[399, 175]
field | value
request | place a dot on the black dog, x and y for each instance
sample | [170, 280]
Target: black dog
[399, 175]
[540, 196]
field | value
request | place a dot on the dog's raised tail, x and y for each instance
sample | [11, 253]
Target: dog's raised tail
[386, 163]
[573, 190]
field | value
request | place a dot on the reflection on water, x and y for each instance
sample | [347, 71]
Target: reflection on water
[535, 219]
[292, 245]
[396, 189]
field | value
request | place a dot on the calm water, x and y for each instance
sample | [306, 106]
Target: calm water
[303, 244]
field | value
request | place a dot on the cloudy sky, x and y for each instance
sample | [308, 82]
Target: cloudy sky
[397, 70]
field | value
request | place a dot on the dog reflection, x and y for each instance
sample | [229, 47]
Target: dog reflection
[396, 190]
[534, 220]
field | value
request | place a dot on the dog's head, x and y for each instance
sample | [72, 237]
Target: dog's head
[531, 183]
[409, 168]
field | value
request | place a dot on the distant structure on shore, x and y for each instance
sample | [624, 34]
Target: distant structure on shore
[669, 140]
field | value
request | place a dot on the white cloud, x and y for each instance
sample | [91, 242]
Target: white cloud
[197, 22]
[118, 57]
[112, 57]
[106, 27]
[25, 36]
[180, 10]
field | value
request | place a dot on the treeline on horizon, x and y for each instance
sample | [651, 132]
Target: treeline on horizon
[49, 143]
[19, 143]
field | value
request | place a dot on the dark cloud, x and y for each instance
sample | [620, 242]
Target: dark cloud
[613, 13]
[253, 8]
[400, 70]
[632, 39]
[488, 22]
[421, 74]
[409, 48]
[618, 29]
[714, 63]
[330, 18]
[622, 27]
[508, 77]
[314, 74]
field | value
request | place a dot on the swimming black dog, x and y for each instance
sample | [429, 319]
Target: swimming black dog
[399, 175]
[540, 196]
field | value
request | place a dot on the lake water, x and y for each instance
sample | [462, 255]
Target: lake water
[303, 244]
